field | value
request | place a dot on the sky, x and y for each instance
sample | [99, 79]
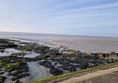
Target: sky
[76, 17]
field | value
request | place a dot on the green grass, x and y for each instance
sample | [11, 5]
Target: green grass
[72, 73]
[11, 65]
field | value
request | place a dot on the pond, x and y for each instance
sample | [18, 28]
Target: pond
[37, 71]
[8, 78]
[31, 55]
[9, 51]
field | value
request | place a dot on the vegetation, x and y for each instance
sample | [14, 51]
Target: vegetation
[2, 79]
[16, 67]
[6, 43]
[46, 80]
[58, 60]
[21, 54]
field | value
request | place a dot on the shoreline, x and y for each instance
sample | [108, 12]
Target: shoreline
[57, 43]
[58, 60]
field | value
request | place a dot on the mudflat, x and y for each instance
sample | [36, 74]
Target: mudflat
[83, 43]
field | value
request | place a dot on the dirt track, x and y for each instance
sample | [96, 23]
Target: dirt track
[90, 75]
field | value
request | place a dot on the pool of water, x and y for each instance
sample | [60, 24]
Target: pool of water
[9, 51]
[31, 55]
[37, 71]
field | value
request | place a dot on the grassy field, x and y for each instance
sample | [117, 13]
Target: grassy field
[69, 75]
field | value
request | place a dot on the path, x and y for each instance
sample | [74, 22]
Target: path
[90, 75]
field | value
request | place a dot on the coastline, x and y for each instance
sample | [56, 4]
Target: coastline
[47, 57]
[82, 43]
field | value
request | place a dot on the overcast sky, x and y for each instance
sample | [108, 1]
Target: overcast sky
[77, 17]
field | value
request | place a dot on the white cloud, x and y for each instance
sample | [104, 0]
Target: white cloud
[59, 16]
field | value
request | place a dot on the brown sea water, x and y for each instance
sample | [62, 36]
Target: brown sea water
[83, 43]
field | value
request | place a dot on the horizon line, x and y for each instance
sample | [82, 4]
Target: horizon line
[58, 34]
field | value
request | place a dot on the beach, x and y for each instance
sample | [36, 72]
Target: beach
[82, 43]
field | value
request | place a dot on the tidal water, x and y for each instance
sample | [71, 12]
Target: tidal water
[83, 43]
